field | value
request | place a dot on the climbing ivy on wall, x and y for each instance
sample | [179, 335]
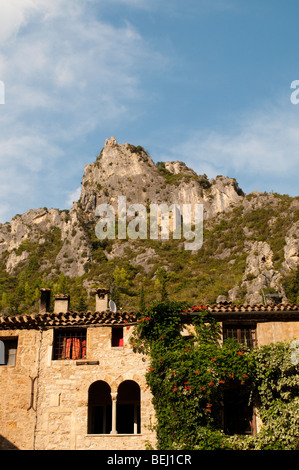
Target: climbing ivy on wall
[188, 377]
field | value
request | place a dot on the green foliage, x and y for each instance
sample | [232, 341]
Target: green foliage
[276, 391]
[291, 285]
[194, 277]
[188, 378]
[142, 299]
[139, 149]
[121, 283]
[162, 278]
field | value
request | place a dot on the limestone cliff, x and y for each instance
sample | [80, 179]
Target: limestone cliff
[130, 171]
[251, 242]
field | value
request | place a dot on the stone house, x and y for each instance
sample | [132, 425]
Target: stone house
[70, 380]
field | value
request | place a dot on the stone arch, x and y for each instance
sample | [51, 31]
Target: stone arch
[115, 384]
[99, 408]
[128, 407]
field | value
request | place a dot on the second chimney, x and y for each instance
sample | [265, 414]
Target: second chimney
[61, 303]
[102, 300]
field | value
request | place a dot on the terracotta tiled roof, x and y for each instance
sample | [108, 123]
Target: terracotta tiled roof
[260, 312]
[223, 311]
[48, 320]
[227, 307]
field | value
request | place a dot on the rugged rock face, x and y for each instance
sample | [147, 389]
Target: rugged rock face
[291, 249]
[39, 227]
[120, 170]
[130, 171]
[64, 241]
[259, 276]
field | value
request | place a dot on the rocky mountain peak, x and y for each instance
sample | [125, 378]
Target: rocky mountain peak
[250, 246]
[123, 169]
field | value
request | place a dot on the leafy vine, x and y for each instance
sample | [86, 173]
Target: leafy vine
[190, 375]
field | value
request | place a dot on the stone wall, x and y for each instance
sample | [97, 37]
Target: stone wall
[274, 332]
[59, 417]
[55, 417]
[16, 421]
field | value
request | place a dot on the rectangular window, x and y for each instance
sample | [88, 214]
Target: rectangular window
[69, 344]
[117, 337]
[239, 417]
[244, 334]
[8, 351]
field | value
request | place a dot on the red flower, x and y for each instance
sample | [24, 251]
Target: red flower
[213, 359]
[240, 352]
[244, 375]
[197, 371]
[221, 381]
[211, 384]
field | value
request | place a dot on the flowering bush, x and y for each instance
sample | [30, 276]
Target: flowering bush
[188, 378]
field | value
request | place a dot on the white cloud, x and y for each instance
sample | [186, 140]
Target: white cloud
[261, 149]
[66, 74]
[73, 196]
[15, 14]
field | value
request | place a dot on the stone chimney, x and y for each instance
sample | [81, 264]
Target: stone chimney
[61, 303]
[102, 300]
[44, 303]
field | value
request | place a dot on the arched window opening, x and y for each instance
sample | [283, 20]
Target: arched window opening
[128, 408]
[99, 408]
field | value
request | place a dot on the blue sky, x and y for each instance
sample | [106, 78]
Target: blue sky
[206, 82]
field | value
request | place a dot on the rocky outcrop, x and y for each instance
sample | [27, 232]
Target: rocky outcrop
[130, 171]
[65, 241]
[37, 227]
[260, 279]
[291, 249]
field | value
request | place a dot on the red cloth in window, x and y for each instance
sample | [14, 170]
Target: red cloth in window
[121, 342]
[76, 351]
[83, 349]
[68, 348]
[73, 348]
